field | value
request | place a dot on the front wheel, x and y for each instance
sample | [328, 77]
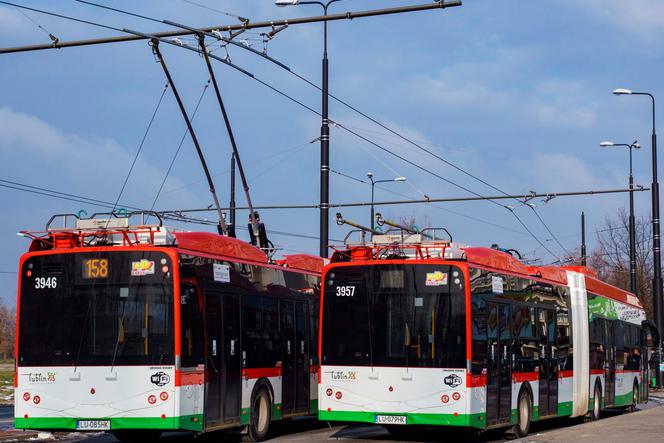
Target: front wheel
[136, 436]
[524, 414]
[261, 416]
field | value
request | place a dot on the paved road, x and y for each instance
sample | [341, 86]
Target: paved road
[650, 424]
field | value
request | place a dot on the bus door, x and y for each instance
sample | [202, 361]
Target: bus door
[288, 348]
[610, 371]
[295, 366]
[232, 368]
[302, 358]
[223, 366]
[499, 371]
[548, 363]
[213, 363]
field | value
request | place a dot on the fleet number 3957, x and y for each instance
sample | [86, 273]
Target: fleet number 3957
[345, 291]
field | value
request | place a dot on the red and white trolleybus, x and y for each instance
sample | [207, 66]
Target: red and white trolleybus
[142, 329]
[419, 331]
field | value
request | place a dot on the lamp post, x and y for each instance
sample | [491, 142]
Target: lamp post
[656, 252]
[373, 184]
[324, 131]
[632, 228]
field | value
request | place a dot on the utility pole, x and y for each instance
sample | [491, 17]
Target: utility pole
[583, 239]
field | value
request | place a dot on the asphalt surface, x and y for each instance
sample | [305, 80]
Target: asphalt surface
[614, 426]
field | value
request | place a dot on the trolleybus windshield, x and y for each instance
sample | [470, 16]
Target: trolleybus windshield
[394, 315]
[96, 309]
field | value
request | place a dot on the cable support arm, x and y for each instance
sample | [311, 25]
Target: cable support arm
[235, 27]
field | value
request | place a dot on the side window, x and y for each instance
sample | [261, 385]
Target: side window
[479, 335]
[191, 327]
[563, 340]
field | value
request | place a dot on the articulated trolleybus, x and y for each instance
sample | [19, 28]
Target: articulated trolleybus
[138, 330]
[418, 331]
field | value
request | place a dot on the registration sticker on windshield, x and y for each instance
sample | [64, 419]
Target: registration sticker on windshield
[437, 278]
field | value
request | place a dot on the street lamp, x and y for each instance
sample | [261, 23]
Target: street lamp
[656, 252]
[632, 229]
[324, 130]
[373, 184]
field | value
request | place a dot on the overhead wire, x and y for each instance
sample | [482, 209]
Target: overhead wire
[457, 213]
[214, 10]
[140, 147]
[106, 204]
[300, 103]
[53, 38]
[177, 151]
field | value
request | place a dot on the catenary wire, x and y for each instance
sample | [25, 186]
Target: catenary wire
[177, 151]
[140, 147]
[311, 110]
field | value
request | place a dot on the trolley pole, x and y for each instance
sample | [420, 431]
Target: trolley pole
[231, 227]
[222, 227]
[583, 239]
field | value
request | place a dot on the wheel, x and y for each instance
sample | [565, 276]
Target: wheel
[261, 416]
[597, 404]
[635, 398]
[524, 414]
[141, 435]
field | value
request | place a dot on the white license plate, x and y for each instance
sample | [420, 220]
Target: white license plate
[390, 419]
[93, 425]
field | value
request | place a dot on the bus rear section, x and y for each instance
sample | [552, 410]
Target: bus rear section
[393, 344]
[95, 343]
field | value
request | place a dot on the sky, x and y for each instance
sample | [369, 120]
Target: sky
[516, 93]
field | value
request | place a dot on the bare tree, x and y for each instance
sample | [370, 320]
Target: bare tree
[611, 256]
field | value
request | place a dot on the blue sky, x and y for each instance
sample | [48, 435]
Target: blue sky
[518, 93]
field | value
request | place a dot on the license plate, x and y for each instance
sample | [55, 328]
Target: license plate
[390, 419]
[93, 425]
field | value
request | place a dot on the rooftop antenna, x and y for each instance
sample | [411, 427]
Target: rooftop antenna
[221, 227]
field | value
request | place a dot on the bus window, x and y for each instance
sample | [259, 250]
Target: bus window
[191, 327]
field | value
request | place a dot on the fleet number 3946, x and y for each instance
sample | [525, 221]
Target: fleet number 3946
[345, 291]
[46, 282]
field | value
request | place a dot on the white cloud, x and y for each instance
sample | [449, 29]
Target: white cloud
[644, 17]
[43, 155]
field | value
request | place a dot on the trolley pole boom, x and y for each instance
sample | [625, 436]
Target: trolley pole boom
[229, 128]
[223, 229]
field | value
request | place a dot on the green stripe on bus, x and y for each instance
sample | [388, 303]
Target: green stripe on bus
[313, 406]
[472, 420]
[52, 423]
[623, 400]
[564, 408]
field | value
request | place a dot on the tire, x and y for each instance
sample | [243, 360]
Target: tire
[260, 416]
[635, 397]
[595, 412]
[524, 414]
[131, 436]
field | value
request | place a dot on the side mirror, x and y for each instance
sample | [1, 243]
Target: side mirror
[654, 332]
